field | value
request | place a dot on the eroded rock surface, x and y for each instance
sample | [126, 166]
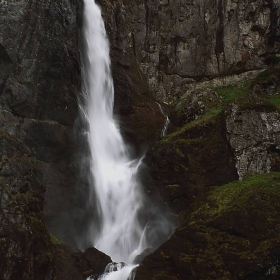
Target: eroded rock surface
[255, 137]
[185, 164]
[177, 43]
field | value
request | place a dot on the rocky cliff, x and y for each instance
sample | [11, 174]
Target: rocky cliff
[178, 43]
[39, 86]
[207, 59]
[234, 135]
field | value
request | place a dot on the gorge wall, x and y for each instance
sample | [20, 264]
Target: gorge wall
[177, 42]
[204, 57]
[39, 85]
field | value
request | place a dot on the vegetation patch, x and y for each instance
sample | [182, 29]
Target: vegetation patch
[256, 189]
[231, 93]
[275, 100]
[233, 234]
[200, 121]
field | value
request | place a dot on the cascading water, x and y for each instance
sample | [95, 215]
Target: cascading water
[166, 123]
[122, 234]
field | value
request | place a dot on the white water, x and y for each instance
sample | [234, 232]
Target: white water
[166, 123]
[121, 235]
[118, 272]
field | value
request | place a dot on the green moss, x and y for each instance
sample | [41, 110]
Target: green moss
[226, 95]
[231, 93]
[179, 153]
[181, 104]
[55, 240]
[200, 121]
[247, 96]
[275, 100]
[186, 258]
[236, 194]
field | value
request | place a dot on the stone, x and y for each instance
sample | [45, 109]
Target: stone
[253, 135]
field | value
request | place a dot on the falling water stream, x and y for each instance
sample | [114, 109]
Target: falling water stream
[122, 235]
[166, 123]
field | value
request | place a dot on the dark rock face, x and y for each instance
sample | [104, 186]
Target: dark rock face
[140, 118]
[39, 86]
[44, 79]
[73, 265]
[177, 43]
[25, 248]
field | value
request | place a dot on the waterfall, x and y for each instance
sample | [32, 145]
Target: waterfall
[122, 234]
[166, 123]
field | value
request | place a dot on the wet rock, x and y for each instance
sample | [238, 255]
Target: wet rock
[193, 104]
[135, 107]
[45, 75]
[73, 265]
[39, 86]
[157, 47]
[26, 249]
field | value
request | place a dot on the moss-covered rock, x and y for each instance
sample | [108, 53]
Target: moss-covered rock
[186, 163]
[233, 233]
[230, 231]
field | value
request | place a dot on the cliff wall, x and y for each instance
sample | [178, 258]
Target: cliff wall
[177, 43]
[39, 85]
[204, 57]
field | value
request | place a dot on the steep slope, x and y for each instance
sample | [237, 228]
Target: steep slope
[228, 231]
[232, 233]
